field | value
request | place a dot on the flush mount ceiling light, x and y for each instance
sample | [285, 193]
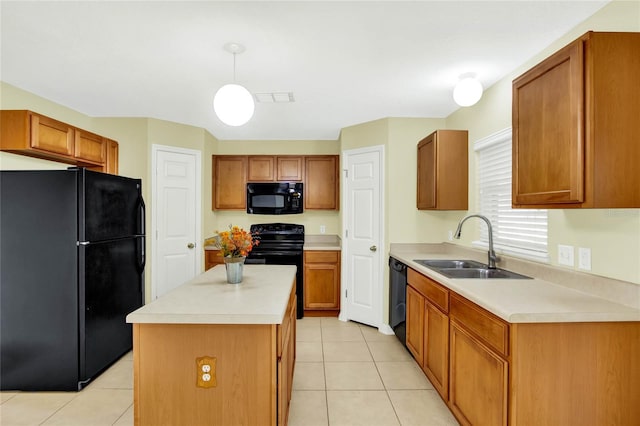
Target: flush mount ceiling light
[233, 103]
[468, 91]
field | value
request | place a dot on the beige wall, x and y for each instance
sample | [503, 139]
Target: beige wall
[612, 235]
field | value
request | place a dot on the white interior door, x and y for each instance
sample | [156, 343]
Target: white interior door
[363, 236]
[176, 218]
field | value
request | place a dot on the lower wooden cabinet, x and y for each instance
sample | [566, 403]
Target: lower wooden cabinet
[415, 324]
[491, 372]
[436, 348]
[212, 258]
[322, 283]
[478, 383]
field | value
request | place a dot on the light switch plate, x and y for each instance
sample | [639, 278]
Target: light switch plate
[584, 258]
[565, 255]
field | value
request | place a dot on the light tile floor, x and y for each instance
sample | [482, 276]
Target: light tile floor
[345, 374]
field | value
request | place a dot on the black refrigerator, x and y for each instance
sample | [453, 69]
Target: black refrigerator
[72, 255]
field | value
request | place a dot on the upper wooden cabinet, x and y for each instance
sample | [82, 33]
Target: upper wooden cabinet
[269, 168]
[232, 172]
[229, 182]
[289, 168]
[576, 128]
[90, 147]
[261, 168]
[28, 133]
[321, 179]
[111, 164]
[443, 171]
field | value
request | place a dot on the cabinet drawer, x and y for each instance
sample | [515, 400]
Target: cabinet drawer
[487, 327]
[321, 256]
[434, 292]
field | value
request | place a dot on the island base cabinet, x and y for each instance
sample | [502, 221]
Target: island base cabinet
[478, 382]
[244, 376]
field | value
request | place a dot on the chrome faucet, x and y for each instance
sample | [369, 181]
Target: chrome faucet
[492, 254]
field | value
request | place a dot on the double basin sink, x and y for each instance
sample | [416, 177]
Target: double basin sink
[467, 269]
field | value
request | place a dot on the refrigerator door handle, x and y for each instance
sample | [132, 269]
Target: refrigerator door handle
[141, 253]
[141, 216]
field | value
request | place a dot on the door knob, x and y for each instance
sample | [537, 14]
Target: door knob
[191, 245]
[373, 248]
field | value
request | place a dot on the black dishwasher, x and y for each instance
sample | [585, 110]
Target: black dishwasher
[398, 298]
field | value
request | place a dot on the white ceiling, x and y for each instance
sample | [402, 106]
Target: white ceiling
[345, 62]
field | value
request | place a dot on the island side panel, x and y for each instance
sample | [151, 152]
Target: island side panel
[575, 373]
[165, 374]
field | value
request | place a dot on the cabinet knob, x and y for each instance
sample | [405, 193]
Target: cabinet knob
[191, 245]
[373, 248]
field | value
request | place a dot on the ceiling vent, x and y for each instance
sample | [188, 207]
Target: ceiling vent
[274, 97]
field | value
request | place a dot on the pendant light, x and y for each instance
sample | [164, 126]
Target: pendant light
[233, 103]
[468, 91]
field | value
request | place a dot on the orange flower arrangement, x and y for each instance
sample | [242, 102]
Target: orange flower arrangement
[236, 242]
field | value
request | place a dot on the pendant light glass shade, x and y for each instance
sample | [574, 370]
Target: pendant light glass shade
[233, 105]
[467, 92]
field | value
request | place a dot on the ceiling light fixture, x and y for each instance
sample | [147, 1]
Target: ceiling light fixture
[468, 91]
[233, 103]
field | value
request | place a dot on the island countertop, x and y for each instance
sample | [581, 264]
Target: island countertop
[261, 298]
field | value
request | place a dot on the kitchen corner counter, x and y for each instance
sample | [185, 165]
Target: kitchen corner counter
[261, 298]
[322, 242]
[522, 301]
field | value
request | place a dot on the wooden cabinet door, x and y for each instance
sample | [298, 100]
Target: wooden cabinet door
[289, 169]
[436, 348]
[415, 324]
[111, 163]
[51, 135]
[212, 258]
[321, 182]
[322, 280]
[261, 168]
[442, 171]
[548, 130]
[478, 385]
[427, 173]
[229, 182]
[90, 147]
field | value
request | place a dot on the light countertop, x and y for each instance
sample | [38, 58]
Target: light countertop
[322, 242]
[261, 298]
[524, 301]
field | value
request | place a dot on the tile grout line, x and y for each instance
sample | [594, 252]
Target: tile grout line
[384, 385]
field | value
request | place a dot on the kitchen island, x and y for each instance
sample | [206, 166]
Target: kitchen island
[214, 353]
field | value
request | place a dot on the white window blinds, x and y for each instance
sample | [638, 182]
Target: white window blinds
[521, 232]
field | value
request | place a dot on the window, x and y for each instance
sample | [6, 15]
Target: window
[519, 232]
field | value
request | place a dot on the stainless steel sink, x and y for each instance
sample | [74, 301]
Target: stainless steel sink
[481, 273]
[449, 264]
[467, 269]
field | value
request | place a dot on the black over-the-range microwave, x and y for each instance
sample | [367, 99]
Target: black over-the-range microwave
[274, 198]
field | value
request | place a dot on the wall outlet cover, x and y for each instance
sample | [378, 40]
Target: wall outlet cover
[565, 255]
[584, 258]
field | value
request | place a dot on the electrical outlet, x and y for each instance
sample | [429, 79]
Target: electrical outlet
[323, 229]
[584, 258]
[450, 235]
[565, 255]
[206, 372]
